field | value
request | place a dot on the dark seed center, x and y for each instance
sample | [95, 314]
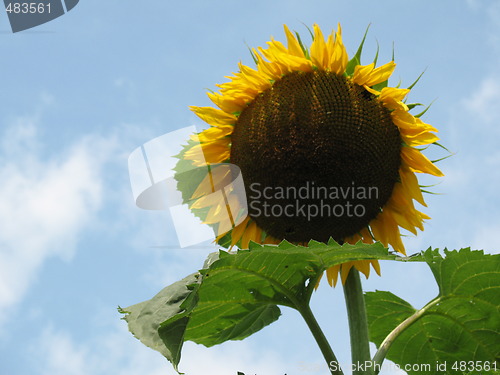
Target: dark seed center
[319, 157]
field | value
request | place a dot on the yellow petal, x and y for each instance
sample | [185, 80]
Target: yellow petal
[367, 236]
[363, 266]
[369, 75]
[216, 214]
[250, 234]
[422, 138]
[376, 266]
[293, 44]
[378, 230]
[209, 200]
[318, 281]
[214, 116]
[381, 73]
[408, 123]
[362, 74]
[393, 93]
[386, 230]
[253, 79]
[284, 62]
[276, 46]
[344, 271]
[238, 231]
[229, 105]
[393, 233]
[423, 125]
[372, 91]
[403, 211]
[213, 133]
[270, 70]
[209, 153]
[289, 63]
[403, 222]
[332, 275]
[216, 179]
[225, 225]
[418, 162]
[392, 98]
[338, 57]
[318, 49]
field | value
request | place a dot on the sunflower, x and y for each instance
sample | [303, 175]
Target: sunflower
[326, 150]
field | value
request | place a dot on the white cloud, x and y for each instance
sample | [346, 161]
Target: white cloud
[490, 7]
[470, 185]
[44, 203]
[486, 238]
[61, 355]
[116, 352]
[483, 102]
[230, 358]
[57, 353]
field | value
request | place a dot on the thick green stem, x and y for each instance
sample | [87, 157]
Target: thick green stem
[319, 336]
[358, 324]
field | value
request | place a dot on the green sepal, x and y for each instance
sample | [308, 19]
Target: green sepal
[356, 59]
[302, 46]
[441, 159]
[310, 31]
[441, 146]
[413, 105]
[425, 110]
[418, 79]
[254, 58]
[381, 85]
[376, 54]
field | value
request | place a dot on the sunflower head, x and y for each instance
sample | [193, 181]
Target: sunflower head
[325, 148]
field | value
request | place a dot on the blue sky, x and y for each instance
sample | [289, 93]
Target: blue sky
[80, 93]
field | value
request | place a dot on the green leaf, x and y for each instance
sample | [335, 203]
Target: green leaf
[384, 309]
[144, 318]
[239, 293]
[187, 176]
[461, 324]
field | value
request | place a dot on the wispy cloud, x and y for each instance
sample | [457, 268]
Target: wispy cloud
[56, 352]
[483, 101]
[45, 203]
[470, 185]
